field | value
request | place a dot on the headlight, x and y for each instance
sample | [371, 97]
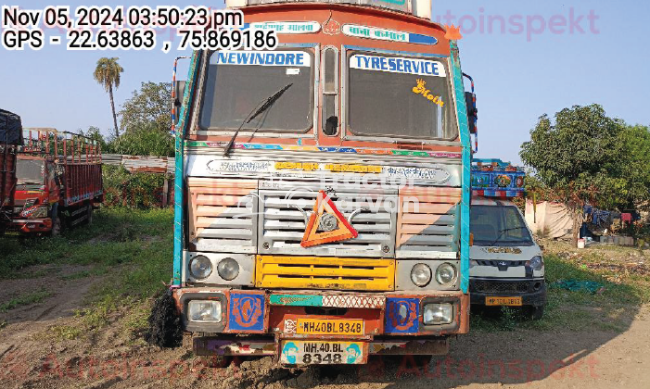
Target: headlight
[537, 263]
[36, 213]
[438, 314]
[205, 311]
[228, 269]
[446, 274]
[200, 267]
[421, 275]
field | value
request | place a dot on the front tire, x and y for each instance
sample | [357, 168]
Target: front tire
[535, 312]
[57, 226]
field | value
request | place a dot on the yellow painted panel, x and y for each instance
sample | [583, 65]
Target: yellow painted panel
[325, 273]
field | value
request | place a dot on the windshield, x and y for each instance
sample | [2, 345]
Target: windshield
[498, 225]
[238, 82]
[399, 97]
[30, 171]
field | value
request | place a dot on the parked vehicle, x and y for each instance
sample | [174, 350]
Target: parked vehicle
[327, 187]
[11, 136]
[59, 182]
[507, 266]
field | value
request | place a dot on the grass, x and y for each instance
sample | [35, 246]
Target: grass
[25, 299]
[132, 249]
[611, 308]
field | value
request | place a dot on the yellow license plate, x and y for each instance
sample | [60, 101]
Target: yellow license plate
[507, 301]
[297, 352]
[329, 327]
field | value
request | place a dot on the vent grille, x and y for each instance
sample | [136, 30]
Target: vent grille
[428, 223]
[283, 217]
[325, 273]
[222, 215]
[498, 287]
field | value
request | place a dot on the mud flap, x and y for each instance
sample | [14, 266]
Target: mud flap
[165, 328]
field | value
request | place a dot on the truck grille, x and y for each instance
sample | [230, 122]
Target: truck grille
[283, 222]
[428, 223]
[222, 215]
[324, 273]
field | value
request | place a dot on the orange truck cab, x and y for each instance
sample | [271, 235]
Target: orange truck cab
[58, 182]
[334, 223]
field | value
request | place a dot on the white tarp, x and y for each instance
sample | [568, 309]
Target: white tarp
[552, 220]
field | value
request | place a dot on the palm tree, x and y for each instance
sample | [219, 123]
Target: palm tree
[107, 74]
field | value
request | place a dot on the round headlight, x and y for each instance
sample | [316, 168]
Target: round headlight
[537, 263]
[421, 275]
[228, 269]
[200, 267]
[446, 274]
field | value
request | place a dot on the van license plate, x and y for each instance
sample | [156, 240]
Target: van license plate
[506, 301]
[296, 352]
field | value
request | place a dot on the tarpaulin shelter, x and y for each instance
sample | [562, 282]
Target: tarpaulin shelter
[11, 130]
[554, 220]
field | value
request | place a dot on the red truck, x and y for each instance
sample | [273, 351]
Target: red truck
[10, 138]
[59, 181]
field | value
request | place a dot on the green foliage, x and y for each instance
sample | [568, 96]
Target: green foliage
[575, 155]
[145, 140]
[26, 299]
[150, 106]
[136, 190]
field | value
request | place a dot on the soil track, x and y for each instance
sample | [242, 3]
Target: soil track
[31, 357]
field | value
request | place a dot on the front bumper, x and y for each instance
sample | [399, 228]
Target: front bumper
[532, 291]
[28, 226]
[392, 322]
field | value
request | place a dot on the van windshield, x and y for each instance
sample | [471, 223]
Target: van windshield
[499, 225]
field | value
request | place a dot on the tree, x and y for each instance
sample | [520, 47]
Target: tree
[577, 158]
[152, 104]
[107, 74]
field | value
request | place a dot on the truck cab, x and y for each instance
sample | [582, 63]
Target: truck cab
[37, 190]
[506, 264]
[332, 223]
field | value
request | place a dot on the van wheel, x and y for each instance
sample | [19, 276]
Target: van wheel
[535, 312]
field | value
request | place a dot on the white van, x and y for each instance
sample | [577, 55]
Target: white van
[506, 264]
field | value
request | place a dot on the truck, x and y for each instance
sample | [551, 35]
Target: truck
[323, 187]
[59, 182]
[11, 136]
[506, 263]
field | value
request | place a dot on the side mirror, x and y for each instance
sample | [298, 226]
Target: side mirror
[472, 112]
[180, 92]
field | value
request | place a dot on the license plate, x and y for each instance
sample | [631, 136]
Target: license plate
[329, 327]
[507, 301]
[296, 352]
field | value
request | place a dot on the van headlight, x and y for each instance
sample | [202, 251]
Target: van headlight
[536, 263]
[435, 314]
[446, 274]
[421, 275]
[204, 311]
[200, 267]
[228, 269]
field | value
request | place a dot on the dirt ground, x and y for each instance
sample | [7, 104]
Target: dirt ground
[35, 353]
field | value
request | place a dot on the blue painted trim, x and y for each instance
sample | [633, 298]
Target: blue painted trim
[381, 51]
[179, 171]
[467, 164]
[422, 39]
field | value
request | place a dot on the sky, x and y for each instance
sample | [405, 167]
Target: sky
[528, 58]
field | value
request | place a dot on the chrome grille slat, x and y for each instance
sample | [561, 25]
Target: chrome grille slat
[282, 224]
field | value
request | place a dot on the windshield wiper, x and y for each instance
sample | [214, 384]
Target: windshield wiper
[506, 230]
[266, 104]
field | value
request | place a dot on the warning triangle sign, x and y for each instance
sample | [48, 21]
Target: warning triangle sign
[332, 224]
